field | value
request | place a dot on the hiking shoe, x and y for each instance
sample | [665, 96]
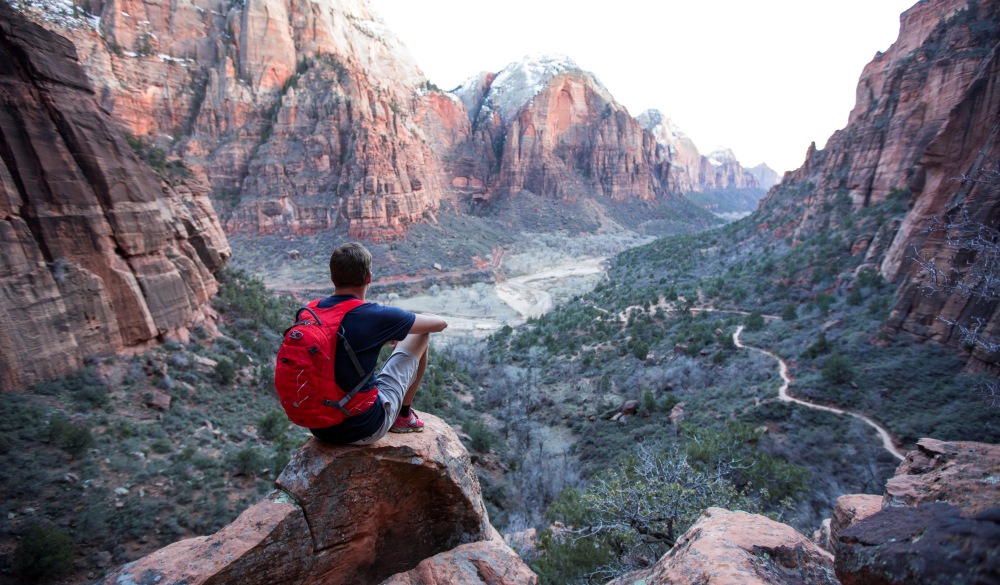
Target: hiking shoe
[410, 424]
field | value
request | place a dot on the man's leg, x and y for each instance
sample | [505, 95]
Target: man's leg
[398, 382]
[406, 420]
[418, 347]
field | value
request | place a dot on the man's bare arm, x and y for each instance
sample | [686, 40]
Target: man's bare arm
[428, 324]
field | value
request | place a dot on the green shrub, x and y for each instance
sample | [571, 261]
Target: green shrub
[273, 425]
[647, 404]
[837, 369]
[225, 371]
[789, 313]
[247, 461]
[43, 553]
[824, 302]
[482, 439]
[755, 321]
[855, 298]
[818, 348]
[640, 350]
[73, 439]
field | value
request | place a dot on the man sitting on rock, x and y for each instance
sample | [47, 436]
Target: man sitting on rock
[367, 328]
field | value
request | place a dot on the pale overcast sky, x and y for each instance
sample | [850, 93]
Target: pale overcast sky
[764, 78]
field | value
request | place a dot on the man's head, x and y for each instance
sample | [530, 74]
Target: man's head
[350, 266]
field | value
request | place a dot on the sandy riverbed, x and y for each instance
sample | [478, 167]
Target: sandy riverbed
[482, 308]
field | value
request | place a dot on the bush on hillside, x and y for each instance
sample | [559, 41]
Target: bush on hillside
[44, 553]
[837, 369]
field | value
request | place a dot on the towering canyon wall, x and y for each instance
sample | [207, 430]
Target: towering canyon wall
[306, 116]
[927, 113]
[301, 111]
[98, 253]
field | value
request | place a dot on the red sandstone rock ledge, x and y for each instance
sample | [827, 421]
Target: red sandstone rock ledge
[408, 509]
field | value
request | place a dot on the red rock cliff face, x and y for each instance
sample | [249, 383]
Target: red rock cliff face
[303, 109]
[546, 126]
[98, 254]
[573, 140]
[927, 112]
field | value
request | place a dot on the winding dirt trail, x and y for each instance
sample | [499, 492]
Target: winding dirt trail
[784, 397]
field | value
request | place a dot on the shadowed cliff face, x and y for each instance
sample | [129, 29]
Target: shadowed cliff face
[98, 254]
[926, 114]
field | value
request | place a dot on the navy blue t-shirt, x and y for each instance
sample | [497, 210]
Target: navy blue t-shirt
[367, 328]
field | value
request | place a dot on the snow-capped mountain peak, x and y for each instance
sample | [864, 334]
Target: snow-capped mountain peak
[721, 155]
[518, 82]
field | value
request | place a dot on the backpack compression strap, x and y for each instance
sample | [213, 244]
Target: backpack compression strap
[340, 404]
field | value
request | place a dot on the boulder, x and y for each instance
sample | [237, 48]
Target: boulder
[630, 407]
[962, 473]
[849, 510]
[408, 508]
[159, 400]
[737, 548]
[490, 562]
[929, 544]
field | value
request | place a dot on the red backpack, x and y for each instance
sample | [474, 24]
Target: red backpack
[303, 375]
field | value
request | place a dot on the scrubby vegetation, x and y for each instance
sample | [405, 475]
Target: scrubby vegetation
[130, 454]
[633, 392]
[553, 390]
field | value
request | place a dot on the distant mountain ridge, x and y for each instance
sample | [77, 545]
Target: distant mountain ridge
[690, 170]
[307, 119]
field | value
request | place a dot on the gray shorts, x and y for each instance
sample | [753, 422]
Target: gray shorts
[392, 381]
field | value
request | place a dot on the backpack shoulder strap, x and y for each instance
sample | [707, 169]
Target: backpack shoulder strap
[338, 312]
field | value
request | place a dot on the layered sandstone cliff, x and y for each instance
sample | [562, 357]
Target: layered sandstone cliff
[407, 510]
[301, 111]
[546, 126]
[927, 113]
[307, 116]
[98, 253]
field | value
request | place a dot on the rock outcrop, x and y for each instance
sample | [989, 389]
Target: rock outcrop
[480, 563]
[407, 510]
[737, 548]
[929, 544]
[927, 113]
[98, 253]
[939, 520]
[962, 473]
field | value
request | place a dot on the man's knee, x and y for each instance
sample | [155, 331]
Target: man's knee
[415, 343]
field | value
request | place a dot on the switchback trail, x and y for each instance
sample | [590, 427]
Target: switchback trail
[784, 397]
